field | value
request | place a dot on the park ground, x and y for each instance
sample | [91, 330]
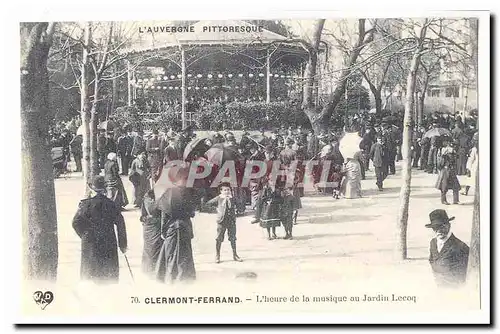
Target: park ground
[340, 247]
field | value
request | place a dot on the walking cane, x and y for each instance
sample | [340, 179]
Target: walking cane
[129, 269]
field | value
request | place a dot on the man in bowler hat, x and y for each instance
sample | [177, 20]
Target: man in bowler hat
[448, 254]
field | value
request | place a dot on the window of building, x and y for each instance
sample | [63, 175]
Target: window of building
[435, 92]
[453, 91]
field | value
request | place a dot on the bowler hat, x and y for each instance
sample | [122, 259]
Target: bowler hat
[438, 217]
[98, 183]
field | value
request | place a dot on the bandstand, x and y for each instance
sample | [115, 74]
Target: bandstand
[199, 63]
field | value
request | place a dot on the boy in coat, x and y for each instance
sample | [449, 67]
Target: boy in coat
[449, 256]
[226, 220]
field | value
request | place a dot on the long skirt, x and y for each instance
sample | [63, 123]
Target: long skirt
[297, 202]
[116, 192]
[351, 184]
[140, 190]
[447, 179]
[175, 262]
[152, 244]
[462, 163]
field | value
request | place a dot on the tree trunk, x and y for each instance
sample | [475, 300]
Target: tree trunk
[85, 111]
[474, 255]
[378, 102]
[94, 133]
[402, 221]
[311, 67]
[39, 217]
[323, 115]
[421, 108]
[115, 90]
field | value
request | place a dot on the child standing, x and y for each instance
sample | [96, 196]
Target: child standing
[226, 220]
[288, 211]
[271, 210]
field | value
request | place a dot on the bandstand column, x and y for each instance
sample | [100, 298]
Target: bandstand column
[268, 77]
[129, 84]
[183, 87]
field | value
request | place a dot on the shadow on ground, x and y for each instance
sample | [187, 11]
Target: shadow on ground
[332, 255]
[372, 192]
[315, 236]
[339, 219]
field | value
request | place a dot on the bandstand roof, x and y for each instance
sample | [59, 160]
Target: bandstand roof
[144, 41]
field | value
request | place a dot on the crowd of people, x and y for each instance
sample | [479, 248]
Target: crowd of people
[168, 231]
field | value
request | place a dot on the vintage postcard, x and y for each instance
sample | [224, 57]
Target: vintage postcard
[316, 169]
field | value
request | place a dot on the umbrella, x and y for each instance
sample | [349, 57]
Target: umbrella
[218, 155]
[196, 145]
[80, 130]
[436, 132]
[169, 189]
[389, 119]
[349, 144]
[107, 125]
[257, 137]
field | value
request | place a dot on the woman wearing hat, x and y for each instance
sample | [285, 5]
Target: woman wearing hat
[447, 178]
[471, 166]
[140, 174]
[449, 256]
[115, 190]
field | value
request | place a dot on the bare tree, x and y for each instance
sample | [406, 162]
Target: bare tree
[39, 204]
[320, 115]
[429, 69]
[92, 52]
[474, 256]
[87, 163]
[402, 220]
[426, 41]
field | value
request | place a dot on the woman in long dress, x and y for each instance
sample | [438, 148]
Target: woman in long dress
[271, 210]
[351, 183]
[175, 261]
[139, 175]
[151, 227]
[447, 178]
[114, 185]
[472, 165]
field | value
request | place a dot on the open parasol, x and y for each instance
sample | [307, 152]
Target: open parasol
[195, 146]
[258, 138]
[436, 132]
[349, 144]
[389, 119]
[170, 188]
[80, 130]
[219, 154]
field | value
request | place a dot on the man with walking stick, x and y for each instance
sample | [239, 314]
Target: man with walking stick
[95, 222]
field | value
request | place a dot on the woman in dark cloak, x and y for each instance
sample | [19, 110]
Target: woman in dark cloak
[151, 227]
[114, 185]
[176, 261]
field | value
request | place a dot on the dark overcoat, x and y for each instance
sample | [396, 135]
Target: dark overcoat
[447, 177]
[95, 222]
[175, 261]
[153, 242]
[450, 265]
